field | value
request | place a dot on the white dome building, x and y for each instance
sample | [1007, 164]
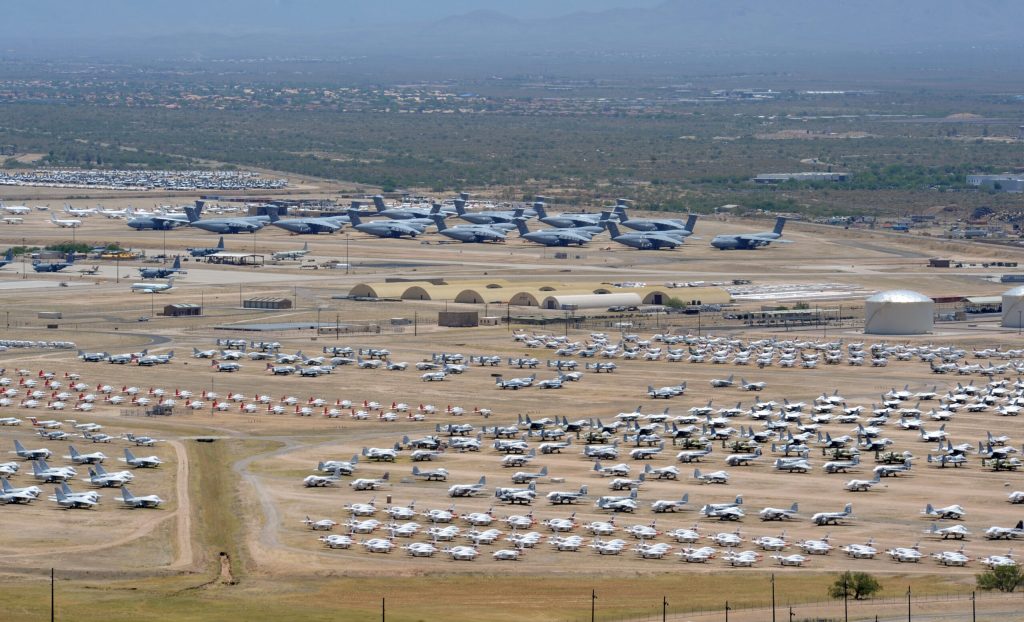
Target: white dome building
[898, 312]
[1013, 306]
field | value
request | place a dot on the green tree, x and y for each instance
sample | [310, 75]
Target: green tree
[1002, 578]
[674, 303]
[856, 585]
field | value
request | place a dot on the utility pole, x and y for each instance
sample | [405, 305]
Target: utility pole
[593, 600]
[846, 596]
[974, 610]
[52, 611]
[773, 597]
[726, 611]
[664, 609]
[383, 611]
[908, 603]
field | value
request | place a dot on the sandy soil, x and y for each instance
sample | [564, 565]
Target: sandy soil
[101, 315]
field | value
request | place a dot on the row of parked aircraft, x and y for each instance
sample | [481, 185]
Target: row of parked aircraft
[566, 229]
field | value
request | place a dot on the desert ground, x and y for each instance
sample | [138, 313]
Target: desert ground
[229, 542]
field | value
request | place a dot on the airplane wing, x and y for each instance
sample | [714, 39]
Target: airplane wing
[760, 240]
[664, 239]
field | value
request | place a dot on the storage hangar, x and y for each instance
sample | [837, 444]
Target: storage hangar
[1013, 307]
[591, 301]
[898, 312]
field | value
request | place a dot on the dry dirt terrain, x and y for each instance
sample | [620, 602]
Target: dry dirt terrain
[229, 542]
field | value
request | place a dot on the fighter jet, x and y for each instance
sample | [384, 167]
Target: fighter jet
[749, 241]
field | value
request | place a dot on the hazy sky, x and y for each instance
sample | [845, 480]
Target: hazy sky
[116, 17]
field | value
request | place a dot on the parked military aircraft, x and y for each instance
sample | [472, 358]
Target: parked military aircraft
[310, 225]
[161, 273]
[557, 237]
[238, 224]
[206, 251]
[747, 241]
[153, 288]
[469, 233]
[53, 266]
[644, 240]
[388, 228]
[295, 254]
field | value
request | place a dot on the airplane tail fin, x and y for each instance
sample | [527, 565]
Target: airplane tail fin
[538, 206]
[439, 221]
[378, 202]
[690, 222]
[780, 222]
[177, 263]
[10, 255]
[273, 215]
[521, 226]
[192, 214]
[613, 228]
[126, 494]
[460, 206]
[220, 243]
[353, 217]
[70, 258]
[129, 456]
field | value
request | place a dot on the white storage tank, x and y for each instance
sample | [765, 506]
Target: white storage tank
[898, 312]
[1013, 307]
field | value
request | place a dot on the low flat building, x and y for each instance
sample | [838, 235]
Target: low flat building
[781, 178]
